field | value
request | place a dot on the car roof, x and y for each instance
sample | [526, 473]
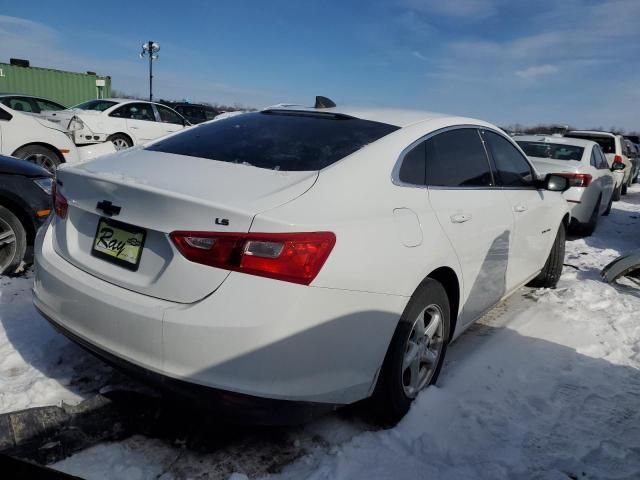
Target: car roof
[578, 142]
[398, 117]
[593, 133]
[22, 95]
[188, 104]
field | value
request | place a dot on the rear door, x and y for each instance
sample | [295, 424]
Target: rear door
[139, 121]
[533, 233]
[602, 178]
[170, 121]
[473, 213]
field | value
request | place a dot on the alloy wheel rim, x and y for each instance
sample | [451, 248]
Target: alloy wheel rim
[423, 349]
[43, 161]
[7, 245]
[120, 143]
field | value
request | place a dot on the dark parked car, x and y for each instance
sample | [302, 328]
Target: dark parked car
[194, 112]
[28, 103]
[25, 203]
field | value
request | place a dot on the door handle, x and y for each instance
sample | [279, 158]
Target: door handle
[520, 208]
[460, 218]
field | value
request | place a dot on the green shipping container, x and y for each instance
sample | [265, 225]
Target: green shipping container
[67, 88]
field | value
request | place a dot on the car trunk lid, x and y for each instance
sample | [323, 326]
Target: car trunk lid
[160, 193]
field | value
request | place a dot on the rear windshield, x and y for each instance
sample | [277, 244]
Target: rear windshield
[280, 140]
[556, 151]
[99, 105]
[607, 144]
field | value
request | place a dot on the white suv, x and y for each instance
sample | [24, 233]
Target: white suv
[615, 150]
[297, 256]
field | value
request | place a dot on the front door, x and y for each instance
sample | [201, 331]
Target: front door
[473, 213]
[534, 231]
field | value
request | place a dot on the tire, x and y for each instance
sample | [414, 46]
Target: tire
[120, 141]
[13, 242]
[550, 274]
[587, 229]
[617, 193]
[608, 210]
[397, 387]
[42, 156]
[624, 188]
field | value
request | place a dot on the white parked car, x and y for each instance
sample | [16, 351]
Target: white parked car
[583, 163]
[123, 122]
[37, 140]
[297, 257]
[29, 103]
[615, 150]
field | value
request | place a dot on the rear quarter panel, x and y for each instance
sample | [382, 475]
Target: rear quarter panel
[356, 199]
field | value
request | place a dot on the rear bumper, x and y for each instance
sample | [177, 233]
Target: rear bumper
[88, 152]
[580, 203]
[231, 406]
[253, 336]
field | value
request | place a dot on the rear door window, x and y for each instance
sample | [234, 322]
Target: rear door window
[456, 158]
[169, 116]
[135, 111]
[278, 140]
[47, 105]
[513, 169]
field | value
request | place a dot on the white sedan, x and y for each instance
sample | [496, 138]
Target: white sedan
[123, 122]
[37, 140]
[297, 257]
[585, 165]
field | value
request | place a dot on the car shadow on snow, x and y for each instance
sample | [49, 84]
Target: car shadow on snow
[506, 406]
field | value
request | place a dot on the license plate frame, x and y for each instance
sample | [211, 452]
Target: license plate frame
[132, 230]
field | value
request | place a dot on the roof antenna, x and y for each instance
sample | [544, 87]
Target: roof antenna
[324, 102]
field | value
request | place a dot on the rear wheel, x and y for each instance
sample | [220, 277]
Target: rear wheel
[13, 242]
[42, 156]
[550, 274]
[608, 210]
[617, 193]
[626, 186]
[587, 229]
[416, 352]
[120, 141]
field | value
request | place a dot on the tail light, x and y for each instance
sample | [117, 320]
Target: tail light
[578, 179]
[618, 159]
[60, 204]
[291, 257]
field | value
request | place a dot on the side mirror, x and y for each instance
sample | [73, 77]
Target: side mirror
[617, 166]
[556, 183]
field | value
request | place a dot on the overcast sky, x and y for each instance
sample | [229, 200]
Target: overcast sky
[564, 61]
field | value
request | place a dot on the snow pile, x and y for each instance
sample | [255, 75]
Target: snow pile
[32, 372]
[138, 459]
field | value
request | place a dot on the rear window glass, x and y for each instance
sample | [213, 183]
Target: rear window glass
[288, 141]
[607, 144]
[555, 151]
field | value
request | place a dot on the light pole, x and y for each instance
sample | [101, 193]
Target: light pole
[150, 49]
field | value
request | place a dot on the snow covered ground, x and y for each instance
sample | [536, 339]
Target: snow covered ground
[546, 386]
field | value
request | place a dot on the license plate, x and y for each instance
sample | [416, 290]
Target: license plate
[118, 243]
